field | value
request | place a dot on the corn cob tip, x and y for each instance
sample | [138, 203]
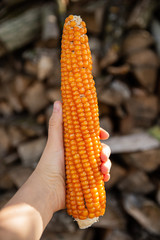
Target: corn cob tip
[74, 19]
[83, 224]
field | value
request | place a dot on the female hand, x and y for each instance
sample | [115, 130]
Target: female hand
[51, 168]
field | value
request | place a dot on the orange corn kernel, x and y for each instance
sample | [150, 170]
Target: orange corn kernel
[85, 192]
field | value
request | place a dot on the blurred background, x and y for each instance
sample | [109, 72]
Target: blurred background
[124, 37]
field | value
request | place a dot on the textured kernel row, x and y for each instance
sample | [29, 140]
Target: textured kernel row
[85, 193]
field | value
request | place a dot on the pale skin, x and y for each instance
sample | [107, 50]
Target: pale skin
[26, 215]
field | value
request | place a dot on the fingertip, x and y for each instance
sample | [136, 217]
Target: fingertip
[55, 129]
[57, 106]
[104, 168]
[103, 134]
[105, 152]
[106, 177]
[103, 156]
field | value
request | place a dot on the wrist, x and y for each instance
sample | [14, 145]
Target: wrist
[52, 186]
[40, 197]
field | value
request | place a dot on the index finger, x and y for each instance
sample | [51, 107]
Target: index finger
[103, 134]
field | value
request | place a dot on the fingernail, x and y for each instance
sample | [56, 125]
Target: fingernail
[56, 106]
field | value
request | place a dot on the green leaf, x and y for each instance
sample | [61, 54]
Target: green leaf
[155, 132]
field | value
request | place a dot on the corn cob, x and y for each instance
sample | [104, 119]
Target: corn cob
[85, 192]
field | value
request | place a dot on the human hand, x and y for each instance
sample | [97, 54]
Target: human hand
[51, 167]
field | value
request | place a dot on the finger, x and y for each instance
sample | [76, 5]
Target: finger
[106, 177]
[103, 134]
[105, 153]
[55, 131]
[106, 167]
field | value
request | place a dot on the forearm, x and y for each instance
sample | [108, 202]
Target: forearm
[26, 215]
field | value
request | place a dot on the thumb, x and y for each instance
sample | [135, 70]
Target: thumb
[55, 131]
